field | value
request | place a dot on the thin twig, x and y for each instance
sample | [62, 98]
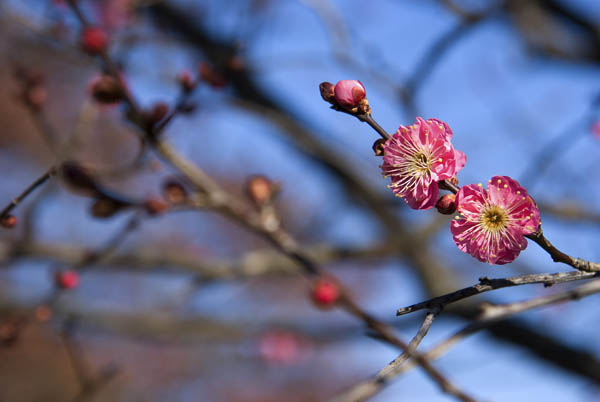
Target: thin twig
[368, 388]
[499, 312]
[38, 182]
[223, 202]
[558, 256]
[486, 284]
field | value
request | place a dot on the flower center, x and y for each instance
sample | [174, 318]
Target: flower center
[420, 163]
[494, 219]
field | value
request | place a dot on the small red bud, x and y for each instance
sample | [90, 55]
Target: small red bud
[446, 204]
[211, 76]
[155, 206]
[9, 333]
[157, 113]
[174, 192]
[325, 292]
[186, 81]
[36, 96]
[94, 40]
[8, 221]
[259, 189]
[378, 147]
[107, 89]
[67, 279]
[236, 63]
[327, 92]
[43, 313]
[349, 94]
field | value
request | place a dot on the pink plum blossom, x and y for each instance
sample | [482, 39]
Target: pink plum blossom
[417, 157]
[349, 93]
[493, 222]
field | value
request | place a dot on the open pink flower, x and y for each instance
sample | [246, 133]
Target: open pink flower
[417, 157]
[494, 222]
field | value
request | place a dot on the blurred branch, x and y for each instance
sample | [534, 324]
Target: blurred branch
[224, 203]
[557, 145]
[435, 52]
[253, 264]
[570, 211]
[37, 183]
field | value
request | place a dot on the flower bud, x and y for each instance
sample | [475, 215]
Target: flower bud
[94, 40]
[106, 207]
[325, 292]
[157, 113]
[259, 189]
[43, 313]
[107, 89]
[174, 192]
[155, 206]
[446, 204]
[36, 96]
[349, 94]
[327, 92]
[186, 81]
[8, 221]
[9, 333]
[67, 279]
[78, 177]
[379, 146]
[211, 76]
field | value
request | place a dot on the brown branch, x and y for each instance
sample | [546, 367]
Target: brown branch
[486, 284]
[37, 183]
[499, 312]
[237, 210]
[222, 202]
[558, 256]
[368, 388]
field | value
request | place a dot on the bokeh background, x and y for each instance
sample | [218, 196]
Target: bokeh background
[191, 307]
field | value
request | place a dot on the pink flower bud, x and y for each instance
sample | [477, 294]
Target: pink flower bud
[349, 93]
[446, 204]
[94, 40]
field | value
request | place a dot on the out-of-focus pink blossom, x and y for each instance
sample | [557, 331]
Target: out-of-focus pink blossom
[282, 347]
[596, 129]
[493, 222]
[417, 157]
[349, 93]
